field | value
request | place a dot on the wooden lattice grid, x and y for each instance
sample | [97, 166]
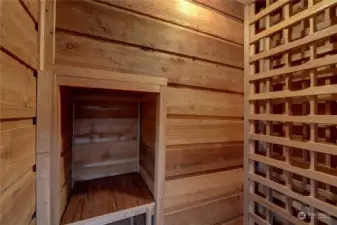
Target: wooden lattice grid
[291, 112]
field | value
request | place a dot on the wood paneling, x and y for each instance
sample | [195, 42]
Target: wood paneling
[17, 203]
[105, 153]
[189, 191]
[135, 29]
[18, 34]
[230, 7]
[187, 14]
[17, 150]
[187, 101]
[32, 7]
[197, 131]
[18, 89]
[188, 159]
[220, 210]
[86, 52]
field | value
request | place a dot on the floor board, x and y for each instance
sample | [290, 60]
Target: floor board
[106, 195]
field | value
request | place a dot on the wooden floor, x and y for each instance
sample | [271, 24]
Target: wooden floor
[106, 195]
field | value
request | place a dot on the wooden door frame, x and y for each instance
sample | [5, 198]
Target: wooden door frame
[48, 155]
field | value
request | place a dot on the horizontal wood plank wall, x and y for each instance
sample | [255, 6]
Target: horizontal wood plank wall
[18, 59]
[198, 46]
[105, 139]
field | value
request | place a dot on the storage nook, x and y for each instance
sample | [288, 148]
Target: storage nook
[105, 153]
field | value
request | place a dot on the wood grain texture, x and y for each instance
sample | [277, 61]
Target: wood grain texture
[230, 7]
[18, 34]
[189, 191]
[198, 131]
[143, 31]
[188, 159]
[81, 51]
[17, 203]
[217, 211]
[33, 8]
[17, 150]
[187, 101]
[187, 14]
[18, 89]
[106, 195]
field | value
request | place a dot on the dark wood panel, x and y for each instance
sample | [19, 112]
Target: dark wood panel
[93, 18]
[18, 89]
[17, 150]
[106, 195]
[231, 7]
[187, 159]
[18, 34]
[187, 14]
[198, 131]
[209, 213]
[86, 52]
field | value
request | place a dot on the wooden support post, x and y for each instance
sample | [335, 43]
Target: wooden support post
[149, 216]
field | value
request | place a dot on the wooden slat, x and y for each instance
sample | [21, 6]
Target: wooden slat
[18, 89]
[33, 7]
[105, 84]
[323, 206]
[187, 101]
[70, 16]
[189, 191]
[296, 18]
[217, 211]
[185, 14]
[238, 221]
[318, 176]
[277, 209]
[312, 91]
[89, 173]
[66, 168]
[318, 147]
[106, 75]
[188, 159]
[229, 7]
[268, 10]
[321, 119]
[104, 153]
[324, 61]
[17, 150]
[197, 131]
[295, 44]
[18, 34]
[17, 203]
[85, 52]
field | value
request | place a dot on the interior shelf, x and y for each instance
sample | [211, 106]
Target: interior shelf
[106, 195]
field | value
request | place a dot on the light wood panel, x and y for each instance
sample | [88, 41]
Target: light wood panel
[224, 209]
[229, 7]
[18, 89]
[187, 101]
[195, 131]
[189, 159]
[32, 7]
[81, 51]
[129, 27]
[17, 204]
[186, 14]
[18, 34]
[289, 82]
[189, 191]
[17, 150]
